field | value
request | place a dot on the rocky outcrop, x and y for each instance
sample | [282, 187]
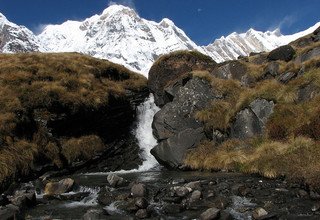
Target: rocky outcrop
[284, 53]
[251, 121]
[171, 152]
[169, 68]
[174, 125]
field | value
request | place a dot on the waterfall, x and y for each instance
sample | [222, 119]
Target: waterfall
[143, 133]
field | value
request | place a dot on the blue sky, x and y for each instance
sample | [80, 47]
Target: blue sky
[202, 20]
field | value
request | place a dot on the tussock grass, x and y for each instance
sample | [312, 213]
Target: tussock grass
[81, 148]
[297, 159]
[53, 83]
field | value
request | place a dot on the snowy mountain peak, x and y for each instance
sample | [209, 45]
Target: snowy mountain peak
[120, 35]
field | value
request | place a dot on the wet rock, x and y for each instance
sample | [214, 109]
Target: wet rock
[94, 214]
[115, 180]
[172, 208]
[194, 185]
[314, 195]
[142, 213]
[259, 213]
[284, 53]
[106, 197]
[195, 196]
[9, 212]
[56, 188]
[303, 194]
[178, 181]
[142, 203]
[139, 190]
[74, 196]
[182, 191]
[221, 202]
[23, 198]
[171, 152]
[210, 214]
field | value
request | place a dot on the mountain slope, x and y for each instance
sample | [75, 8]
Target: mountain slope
[14, 38]
[235, 45]
[119, 35]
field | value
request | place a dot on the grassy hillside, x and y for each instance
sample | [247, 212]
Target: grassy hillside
[36, 89]
[290, 143]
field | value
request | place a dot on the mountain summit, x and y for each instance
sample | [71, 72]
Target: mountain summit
[120, 35]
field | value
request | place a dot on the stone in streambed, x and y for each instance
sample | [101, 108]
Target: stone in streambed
[259, 213]
[142, 203]
[210, 214]
[195, 196]
[9, 212]
[56, 188]
[139, 190]
[142, 213]
[93, 214]
[115, 180]
[23, 198]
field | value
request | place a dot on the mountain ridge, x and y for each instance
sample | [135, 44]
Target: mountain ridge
[120, 35]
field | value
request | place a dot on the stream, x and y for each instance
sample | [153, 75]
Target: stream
[236, 195]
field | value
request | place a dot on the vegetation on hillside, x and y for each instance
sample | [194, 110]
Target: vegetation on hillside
[290, 144]
[36, 87]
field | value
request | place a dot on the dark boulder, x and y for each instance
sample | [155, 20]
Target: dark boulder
[251, 121]
[139, 190]
[178, 115]
[10, 212]
[171, 67]
[285, 53]
[310, 54]
[210, 214]
[24, 198]
[171, 152]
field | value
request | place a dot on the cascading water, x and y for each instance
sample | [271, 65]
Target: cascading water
[144, 135]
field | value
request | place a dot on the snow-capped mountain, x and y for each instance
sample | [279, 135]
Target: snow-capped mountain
[234, 45]
[120, 35]
[14, 38]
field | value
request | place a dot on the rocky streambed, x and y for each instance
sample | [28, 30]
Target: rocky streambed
[162, 194]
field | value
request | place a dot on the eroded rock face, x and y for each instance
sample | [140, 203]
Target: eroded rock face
[175, 126]
[171, 151]
[177, 115]
[251, 121]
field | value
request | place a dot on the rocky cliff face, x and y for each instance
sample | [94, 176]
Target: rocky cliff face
[227, 115]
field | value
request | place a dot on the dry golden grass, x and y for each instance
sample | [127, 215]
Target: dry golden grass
[297, 159]
[83, 148]
[51, 83]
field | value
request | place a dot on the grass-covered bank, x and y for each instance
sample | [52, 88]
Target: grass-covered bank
[55, 107]
[289, 144]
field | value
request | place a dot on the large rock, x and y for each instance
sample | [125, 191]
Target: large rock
[171, 67]
[171, 152]
[56, 188]
[178, 115]
[251, 121]
[210, 214]
[24, 198]
[284, 53]
[311, 54]
[10, 212]
[230, 70]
